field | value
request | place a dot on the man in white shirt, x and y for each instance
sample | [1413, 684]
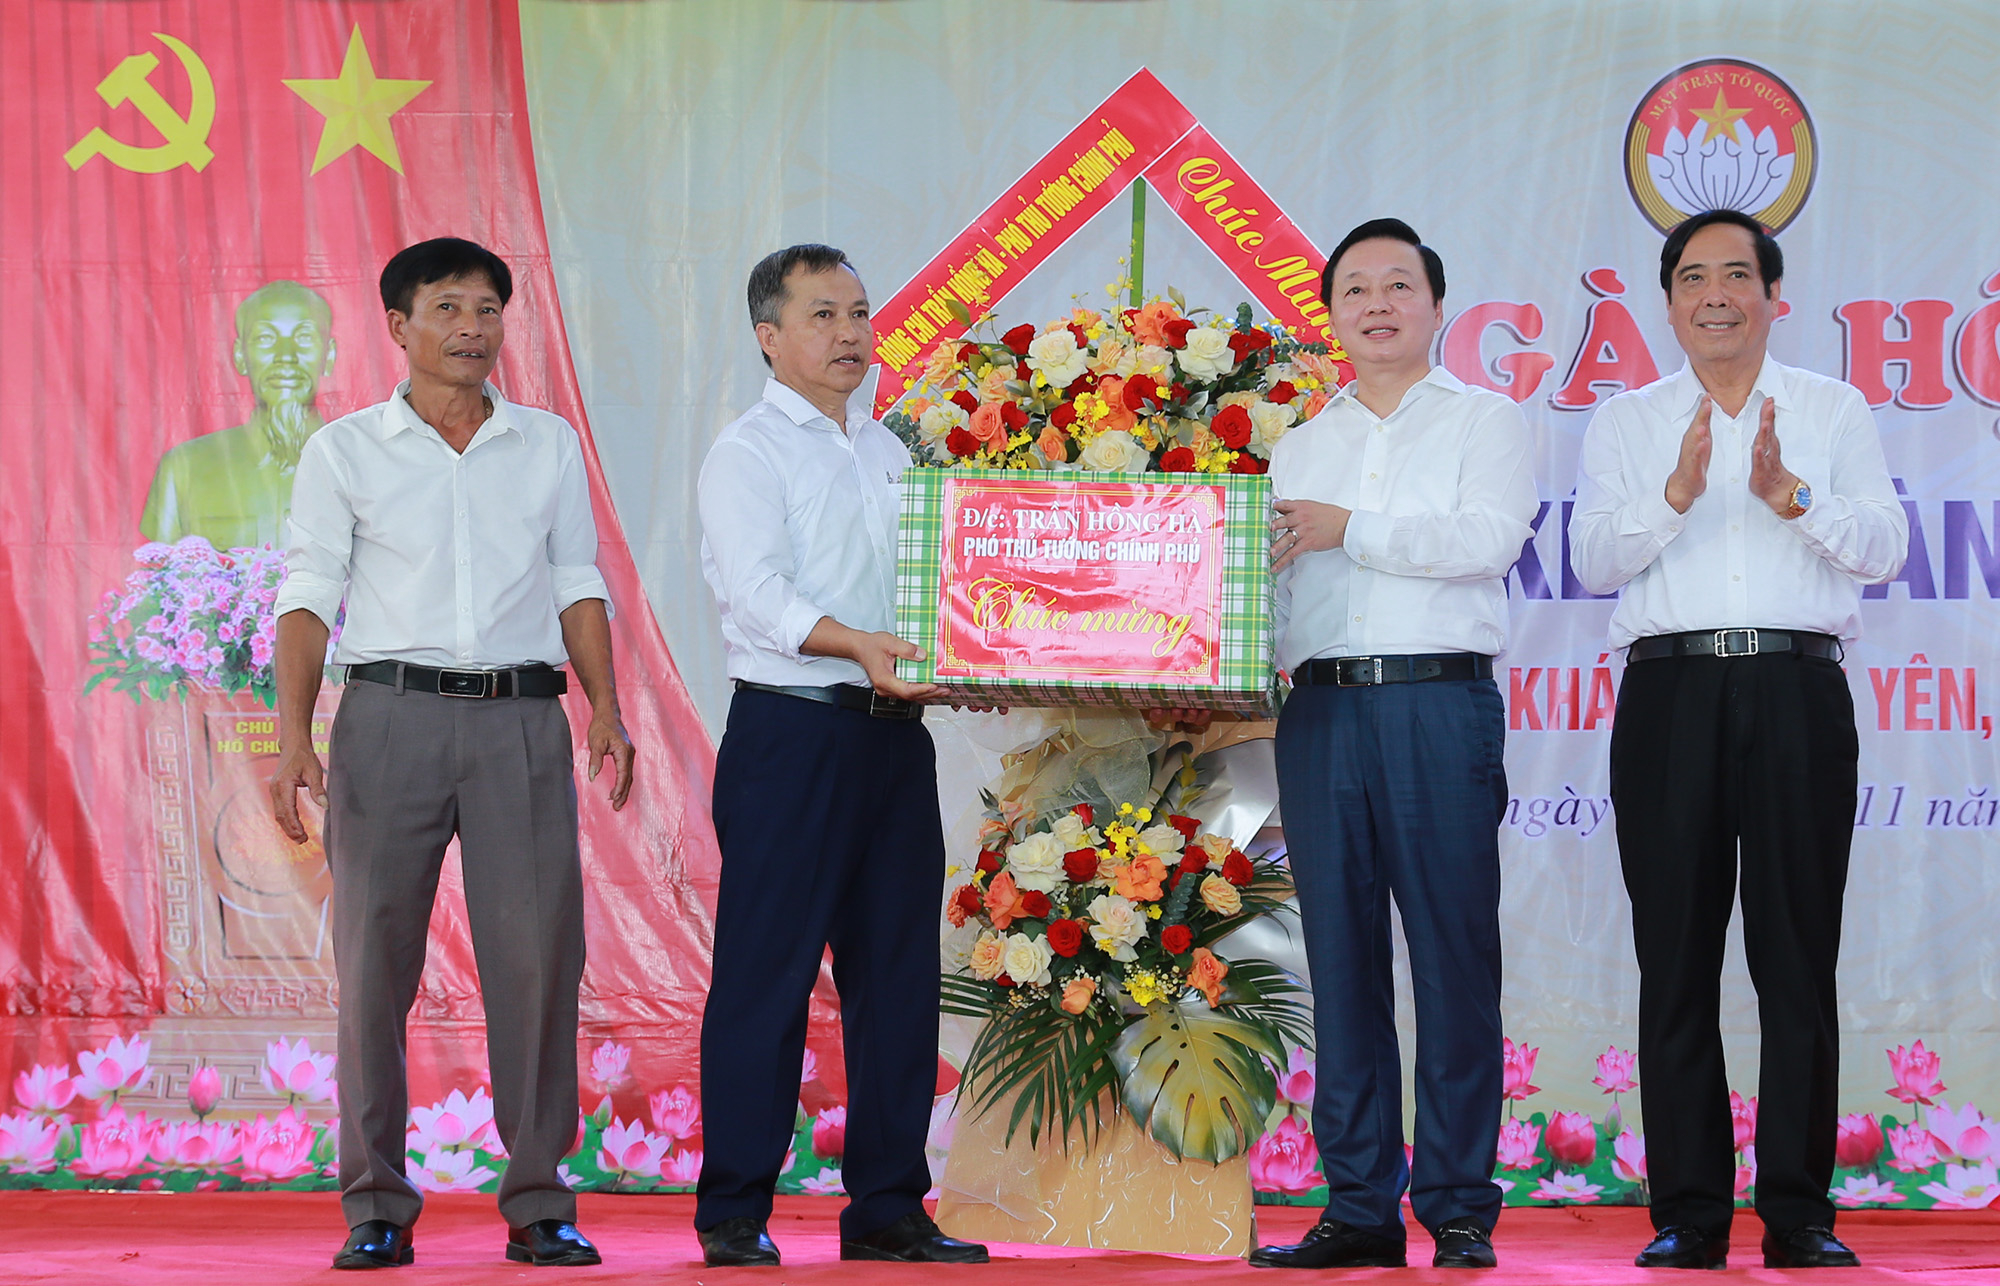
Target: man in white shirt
[825, 787]
[457, 527]
[1402, 505]
[1738, 506]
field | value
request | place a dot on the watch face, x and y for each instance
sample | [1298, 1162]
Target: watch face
[1802, 496]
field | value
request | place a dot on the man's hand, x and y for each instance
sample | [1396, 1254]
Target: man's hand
[606, 736]
[875, 652]
[1770, 481]
[300, 767]
[586, 632]
[1690, 476]
[1302, 526]
[298, 664]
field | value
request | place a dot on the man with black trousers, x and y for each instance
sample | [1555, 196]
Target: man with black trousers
[1402, 505]
[826, 801]
[1738, 505]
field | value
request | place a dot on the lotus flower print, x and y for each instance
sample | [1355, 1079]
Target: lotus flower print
[444, 1170]
[117, 1068]
[45, 1089]
[204, 1091]
[1864, 1190]
[1518, 1066]
[1912, 1149]
[1965, 1187]
[28, 1143]
[1569, 1188]
[115, 1146]
[829, 1133]
[1518, 1142]
[1858, 1140]
[676, 1112]
[455, 1123]
[1965, 1133]
[292, 1069]
[630, 1151]
[682, 1169]
[827, 1183]
[1916, 1073]
[1628, 1157]
[1298, 1082]
[275, 1150]
[608, 1067]
[1743, 1119]
[1729, 170]
[190, 1145]
[1285, 1160]
[1614, 1071]
[1572, 1139]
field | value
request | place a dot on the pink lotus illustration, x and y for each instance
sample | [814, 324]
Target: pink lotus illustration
[292, 1069]
[45, 1089]
[275, 1149]
[630, 1151]
[608, 1066]
[676, 1112]
[809, 1068]
[1517, 1144]
[456, 1122]
[1628, 1157]
[1858, 1141]
[28, 1143]
[1865, 1190]
[1965, 1187]
[1567, 1187]
[204, 1091]
[1912, 1149]
[1964, 1134]
[826, 1183]
[1743, 1119]
[1285, 1160]
[1572, 1138]
[188, 1145]
[1614, 1071]
[1519, 1068]
[682, 1169]
[114, 1146]
[1746, 1170]
[1300, 1079]
[829, 1135]
[117, 1068]
[1916, 1073]
[444, 1170]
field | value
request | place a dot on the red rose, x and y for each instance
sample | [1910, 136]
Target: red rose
[989, 861]
[1282, 391]
[1187, 826]
[1012, 414]
[1139, 390]
[1024, 372]
[1177, 939]
[1178, 392]
[1177, 332]
[1065, 937]
[966, 352]
[1062, 417]
[1245, 342]
[1082, 339]
[1232, 424]
[1080, 864]
[1006, 980]
[966, 401]
[1084, 383]
[1084, 812]
[1247, 463]
[1237, 870]
[961, 442]
[1174, 879]
[1018, 339]
[1194, 860]
[1035, 904]
[967, 901]
[1178, 460]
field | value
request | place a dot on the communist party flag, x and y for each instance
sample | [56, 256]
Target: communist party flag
[198, 200]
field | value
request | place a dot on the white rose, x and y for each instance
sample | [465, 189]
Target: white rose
[1270, 421]
[1115, 452]
[1036, 862]
[1161, 838]
[1027, 960]
[955, 947]
[985, 960]
[1055, 355]
[1206, 354]
[1069, 832]
[1154, 360]
[939, 419]
[1116, 925]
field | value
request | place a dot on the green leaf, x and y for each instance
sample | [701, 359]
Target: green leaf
[1196, 1079]
[959, 311]
[1180, 300]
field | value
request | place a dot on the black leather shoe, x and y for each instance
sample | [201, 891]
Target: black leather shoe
[737, 1243]
[1809, 1247]
[551, 1243]
[1333, 1244]
[913, 1239]
[1463, 1243]
[376, 1244]
[1683, 1246]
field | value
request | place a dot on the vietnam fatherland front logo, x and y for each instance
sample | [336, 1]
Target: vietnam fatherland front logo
[1720, 135]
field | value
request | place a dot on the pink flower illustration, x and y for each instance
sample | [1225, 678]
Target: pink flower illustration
[187, 1145]
[1614, 1071]
[1746, 1170]
[45, 1089]
[204, 1091]
[681, 1169]
[1519, 1063]
[292, 1069]
[1858, 1141]
[1864, 1190]
[1299, 1080]
[1572, 1139]
[676, 1112]
[444, 1170]
[1965, 1133]
[118, 1067]
[114, 1146]
[1628, 1157]
[1285, 1160]
[829, 1135]
[455, 1122]
[809, 1069]
[275, 1149]
[1965, 1187]
[1518, 1140]
[630, 1151]
[826, 1183]
[1743, 1118]
[608, 1066]
[1912, 1149]
[1567, 1187]
[1916, 1073]
[28, 1143]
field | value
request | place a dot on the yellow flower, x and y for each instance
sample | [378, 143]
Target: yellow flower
[1144, 988]
[1145, 814]
[1154, 911]
[1124, 810]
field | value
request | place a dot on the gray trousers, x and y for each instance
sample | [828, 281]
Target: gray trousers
[407, 771]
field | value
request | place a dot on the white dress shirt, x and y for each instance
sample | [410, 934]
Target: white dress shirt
[1729, 561]
[798, 522]
[460, 561]
[1443, 497]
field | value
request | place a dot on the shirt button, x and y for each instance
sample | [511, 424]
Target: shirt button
[1373, 476]
[463, 561]
[1736, 578]
[1735, 527]
[1357, 620]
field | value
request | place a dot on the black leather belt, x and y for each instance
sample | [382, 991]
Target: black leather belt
[1727, 643]
[847, 696]
[527, 681]
[1366, 671]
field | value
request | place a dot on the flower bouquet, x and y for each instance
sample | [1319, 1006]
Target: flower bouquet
[191, 615]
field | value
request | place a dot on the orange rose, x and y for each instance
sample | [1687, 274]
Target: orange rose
[1085, 317]
[1206, 975]
[1055, 447]
[988, 425]
[1150, 325]
[1077, 994]
[1003, 901]
[1315, 404]
[942, 364]
[1112, 390]
[1141, 878]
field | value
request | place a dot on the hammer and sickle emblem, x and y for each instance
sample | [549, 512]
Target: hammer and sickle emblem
[187, 136]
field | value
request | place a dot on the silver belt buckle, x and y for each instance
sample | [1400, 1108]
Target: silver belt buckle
[881, 707]
[1340, 680]
[465, 683]
[1723, 648]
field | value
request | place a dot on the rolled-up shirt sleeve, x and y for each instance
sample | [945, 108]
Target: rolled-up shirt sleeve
[1859, 526]
[742, 505]
[1482, 535]
[1617, 530]
[319, 539]
[572, 544]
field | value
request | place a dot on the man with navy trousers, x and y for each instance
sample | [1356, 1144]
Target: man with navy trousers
[1401, 507]
[826, 800]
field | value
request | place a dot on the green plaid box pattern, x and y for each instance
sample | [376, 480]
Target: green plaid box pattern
[1248, 671]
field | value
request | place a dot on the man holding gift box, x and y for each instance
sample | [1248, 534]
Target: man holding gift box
[826, 800]
[1402, 505]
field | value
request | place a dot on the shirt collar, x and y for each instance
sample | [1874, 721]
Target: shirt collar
[400, 417]
[801, 412]
[1437, 377]
[1687, 389]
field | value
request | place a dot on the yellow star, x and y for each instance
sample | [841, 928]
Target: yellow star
[1720, 119]
[357, 107]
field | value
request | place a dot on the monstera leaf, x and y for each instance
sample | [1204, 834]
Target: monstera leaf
[1197, 1078]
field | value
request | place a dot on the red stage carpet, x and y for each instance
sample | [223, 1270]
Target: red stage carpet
[83, 1239]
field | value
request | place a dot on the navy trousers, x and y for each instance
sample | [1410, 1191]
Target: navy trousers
[828, 821]
[1397, 790]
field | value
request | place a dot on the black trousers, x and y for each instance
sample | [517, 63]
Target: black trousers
[1718, 764]
[828, 822]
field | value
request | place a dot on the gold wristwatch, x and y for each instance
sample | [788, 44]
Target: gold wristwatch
[1801, 501]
